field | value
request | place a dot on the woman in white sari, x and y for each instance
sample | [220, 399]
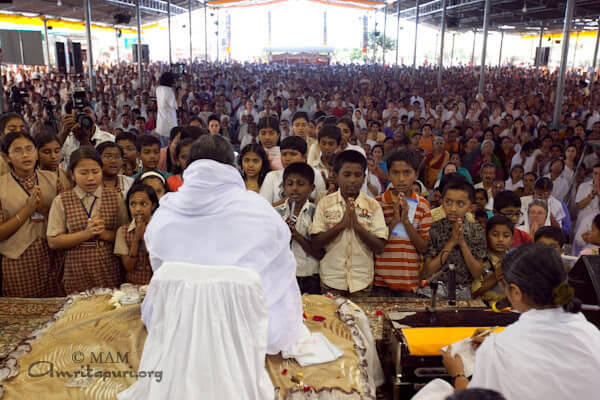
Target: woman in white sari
[552, 352]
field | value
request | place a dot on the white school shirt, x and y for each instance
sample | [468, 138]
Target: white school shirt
[306, 265]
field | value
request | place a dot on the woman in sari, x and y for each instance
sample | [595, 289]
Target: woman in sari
[435, 161]
[487, 156]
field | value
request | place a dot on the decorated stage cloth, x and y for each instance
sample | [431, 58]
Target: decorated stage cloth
[90, 350]
[429, 341]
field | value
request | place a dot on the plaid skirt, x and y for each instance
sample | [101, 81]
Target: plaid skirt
[34, 274]
[142, 272]
[88, 267]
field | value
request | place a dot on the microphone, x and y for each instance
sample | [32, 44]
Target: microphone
[501, 304]
[451, 285]
[433, 277]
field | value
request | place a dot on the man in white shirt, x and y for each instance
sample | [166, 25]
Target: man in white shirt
[586, 200]
[289, 112]
[81, 136]
[167, 107]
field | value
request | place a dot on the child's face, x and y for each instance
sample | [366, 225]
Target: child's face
[482, 221]
[112, 161]
[550, 242]
[499, 239]
[290, 156]
[513, 213]
[480, 200]
[327, 146]
[456, 203]
[183, 155]
[297, 188]
[129, 150]
[88, 175]
[402, 176]
[251, 164]
[346, 132]
[49, 156]
[150, 156]
[157, 185]
[141, 207]
[268, 137]
[22, 155]
[517, 174]
[350, 179]
[300, 126]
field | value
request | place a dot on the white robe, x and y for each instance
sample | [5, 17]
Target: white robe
[214, 220]
[547, 354]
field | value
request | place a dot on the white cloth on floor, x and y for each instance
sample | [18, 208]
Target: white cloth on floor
[214, 220]
[315, 349]
[208, 335]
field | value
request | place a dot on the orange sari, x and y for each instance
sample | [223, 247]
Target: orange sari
[433, 165]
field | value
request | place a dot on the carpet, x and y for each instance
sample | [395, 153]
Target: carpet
[20, 317]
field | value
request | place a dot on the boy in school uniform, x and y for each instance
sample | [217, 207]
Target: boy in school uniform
[148, 148]
[126, 142]
[350, 227]
[293, 150]
[298, 212]
[455, 240]
[408, 218]
[551, 236]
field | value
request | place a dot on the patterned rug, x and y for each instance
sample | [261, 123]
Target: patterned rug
[20, 317]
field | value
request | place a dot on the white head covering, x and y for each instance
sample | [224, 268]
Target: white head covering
[214, 220]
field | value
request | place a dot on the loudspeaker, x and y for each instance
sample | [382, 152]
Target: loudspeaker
[545, 55]
[145, 53]
[61, 59]
[77, 59]
[584, 277]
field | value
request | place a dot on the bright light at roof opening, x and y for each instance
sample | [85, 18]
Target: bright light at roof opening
[506, 27]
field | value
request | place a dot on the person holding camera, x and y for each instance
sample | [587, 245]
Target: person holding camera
[79, 129]
[167, 107]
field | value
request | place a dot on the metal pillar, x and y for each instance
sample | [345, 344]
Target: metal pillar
[205, 35]
[2, 93]
[117, 40]
[575, 49]
[416, 31]
[190, 22]
[169, 28]
[397, 28]
[594, 63]
[560, 87]
[325, 28]
[46, 39]
[138, 17]
[501, 43]
[383, 37]
[90, 53]
[452, 51]
[538, 58]
[217, 33]
[473, 52]
[486, 20]
[442, 34]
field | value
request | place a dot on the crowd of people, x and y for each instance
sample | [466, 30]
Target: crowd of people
[383, 179]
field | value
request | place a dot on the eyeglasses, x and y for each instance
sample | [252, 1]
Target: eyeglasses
[20, 151]
[511, 215]
[112, 158]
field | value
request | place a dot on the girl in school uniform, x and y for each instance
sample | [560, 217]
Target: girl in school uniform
[268, 136]
[83, 221]
[49, 156]
[254, 166]
[112, 162]
[26, 194]
[129, 242]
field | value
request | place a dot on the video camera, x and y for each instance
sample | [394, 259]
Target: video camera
[79, 103]
[18, 97]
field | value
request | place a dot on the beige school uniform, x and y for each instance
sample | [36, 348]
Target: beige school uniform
[4, 168]
[92, 263]
[28, 268]
[348, 263]
[142, 271]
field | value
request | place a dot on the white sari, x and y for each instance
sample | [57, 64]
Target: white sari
[547, 354]
[214, 220]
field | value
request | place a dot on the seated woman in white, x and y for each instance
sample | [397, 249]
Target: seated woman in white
[536, 217]
[552, 351]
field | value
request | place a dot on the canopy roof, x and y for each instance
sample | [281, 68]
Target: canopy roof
[462, 15]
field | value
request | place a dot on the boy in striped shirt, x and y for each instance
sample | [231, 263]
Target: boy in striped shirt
[408, 217]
